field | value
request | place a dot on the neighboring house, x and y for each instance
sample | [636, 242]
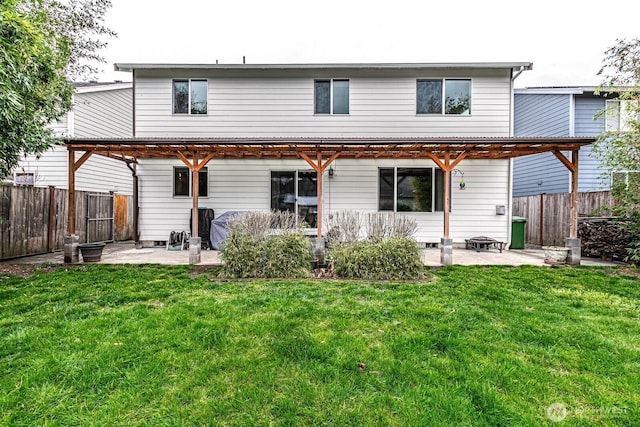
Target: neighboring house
[267, 133]
[99, 110]
[562, 111]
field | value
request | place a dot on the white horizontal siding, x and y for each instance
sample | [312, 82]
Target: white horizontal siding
[242, 185]
[103, 114]
[98, 173]
[379, 106]
[59, 128]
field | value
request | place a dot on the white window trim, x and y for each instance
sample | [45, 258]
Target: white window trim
[395, 189]
[612, 109]
[331, 113]
[308, 230]
[444, 97]
[173, 97]
[626, 173]
[173, 183]
[625, 114]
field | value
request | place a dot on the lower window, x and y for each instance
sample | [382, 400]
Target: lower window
[626, 180]
[23, 179]
[182, 182]
[296, 191]
[411, 189]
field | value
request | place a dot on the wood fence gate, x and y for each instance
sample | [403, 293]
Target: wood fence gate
[100, 217]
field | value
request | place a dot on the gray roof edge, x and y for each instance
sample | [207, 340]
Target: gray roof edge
[370, 66]
[103, 87]
[556, 90]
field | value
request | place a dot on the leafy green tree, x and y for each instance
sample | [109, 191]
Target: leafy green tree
[619, 146]
[43, 44]
[80, 23]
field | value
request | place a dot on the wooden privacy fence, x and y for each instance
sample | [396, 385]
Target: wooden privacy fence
[548, 214]
[33, 220]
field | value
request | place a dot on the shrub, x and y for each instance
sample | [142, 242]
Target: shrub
[397, 258]
[383, 225]
[351, 226]
[266, 245]
[344, 227]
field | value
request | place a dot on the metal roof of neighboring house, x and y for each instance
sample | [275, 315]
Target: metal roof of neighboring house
[569, 90]
[86, 87]
[517, 66]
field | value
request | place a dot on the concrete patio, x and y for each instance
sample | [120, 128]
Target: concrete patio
[126, 253]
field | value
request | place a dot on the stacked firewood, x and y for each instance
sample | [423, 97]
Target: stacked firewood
[603, 237]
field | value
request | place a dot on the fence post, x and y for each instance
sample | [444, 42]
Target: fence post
[542, 219]
[52, 213]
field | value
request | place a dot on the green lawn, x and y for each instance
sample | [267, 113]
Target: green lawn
[149, 345]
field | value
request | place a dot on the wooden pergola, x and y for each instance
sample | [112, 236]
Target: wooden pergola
[319, 153]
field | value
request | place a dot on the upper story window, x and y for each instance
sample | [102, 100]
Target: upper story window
[331, 96]
[619, 114]
[443, 96]
[190, 96]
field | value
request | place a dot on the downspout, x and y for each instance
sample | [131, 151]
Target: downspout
[572, 127]
[136, 210]
[133, 103]
[134, 168]
[511, 134]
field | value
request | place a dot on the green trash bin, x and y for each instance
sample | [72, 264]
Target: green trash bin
[517, 232]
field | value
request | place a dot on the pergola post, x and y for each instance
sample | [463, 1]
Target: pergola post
[195, 242]
[446, 242]
[319, 167]
[447, 194]
[572, 242]
[71, 239]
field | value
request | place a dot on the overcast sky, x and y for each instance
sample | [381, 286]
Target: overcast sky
[565, 40]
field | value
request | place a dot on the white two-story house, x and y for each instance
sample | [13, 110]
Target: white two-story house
[433, 141]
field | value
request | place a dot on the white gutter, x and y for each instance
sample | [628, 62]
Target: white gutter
[521, 66]
[572, 115]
